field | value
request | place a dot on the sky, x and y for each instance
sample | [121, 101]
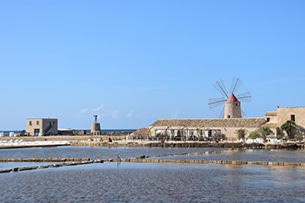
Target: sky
[134, 62]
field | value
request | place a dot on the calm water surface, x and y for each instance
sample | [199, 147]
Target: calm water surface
[155, 182]
[162, 153]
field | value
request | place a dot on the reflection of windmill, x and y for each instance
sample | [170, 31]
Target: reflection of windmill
[232, 107]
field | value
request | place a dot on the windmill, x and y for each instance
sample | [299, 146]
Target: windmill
[231, 101]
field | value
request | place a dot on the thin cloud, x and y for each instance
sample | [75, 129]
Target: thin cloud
[130, 114]
[99, 107]
[115, 114]
[84, 110]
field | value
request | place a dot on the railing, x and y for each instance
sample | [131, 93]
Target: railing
[47, 129]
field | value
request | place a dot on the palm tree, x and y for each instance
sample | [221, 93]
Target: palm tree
[264, 131]
[255, 134]
[241, 133]
[288, 127]
[219, 136]
[279, 133]
[299, 136]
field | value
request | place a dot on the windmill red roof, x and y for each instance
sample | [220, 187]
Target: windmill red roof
[232, 98]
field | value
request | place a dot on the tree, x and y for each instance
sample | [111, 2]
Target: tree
[241, 133]
[183, 134]
[264, 131]
[299, 136]
[288, 127]
[279, 133]
[199, 134]
[255, 134]
[219, 136]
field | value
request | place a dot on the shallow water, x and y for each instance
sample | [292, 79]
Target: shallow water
[247, 155]
[155, 182]
[160, 153]
[95, 152]
[149, 182]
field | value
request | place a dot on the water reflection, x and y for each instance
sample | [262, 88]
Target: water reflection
[154, 182]
[160, 153]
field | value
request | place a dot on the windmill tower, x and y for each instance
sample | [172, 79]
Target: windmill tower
[232, 103]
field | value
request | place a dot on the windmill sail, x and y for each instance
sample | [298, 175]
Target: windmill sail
[213, 102]
[231, 102]
[236, 82]
[219, 85]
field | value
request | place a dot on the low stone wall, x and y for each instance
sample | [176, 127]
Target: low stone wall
[166, 144]
[141, 159]
[230, 145]
[64, 162]
[44, 159]
[229, 162]
[201, 145]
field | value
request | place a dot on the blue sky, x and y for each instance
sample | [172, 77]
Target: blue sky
[133, 62]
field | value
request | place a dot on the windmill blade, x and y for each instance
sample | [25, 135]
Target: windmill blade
[219, 85]
[246, 96]
[243, 113]
[221, 115]
[213, 102]
[236, 82]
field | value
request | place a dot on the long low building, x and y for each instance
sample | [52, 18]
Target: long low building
[176, 128]
[207, 127]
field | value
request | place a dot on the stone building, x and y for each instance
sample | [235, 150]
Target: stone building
[207, 127]
[282, 114]
[41, 126]
[193, 129]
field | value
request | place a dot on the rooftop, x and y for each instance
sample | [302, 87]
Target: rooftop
[213, 122]
[232, 98]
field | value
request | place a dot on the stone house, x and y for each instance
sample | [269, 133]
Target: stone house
[41, 126]
[207, 127]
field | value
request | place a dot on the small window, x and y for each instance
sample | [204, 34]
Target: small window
[37, 122]
[30, 123]
[292, 117]
[268, 119]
